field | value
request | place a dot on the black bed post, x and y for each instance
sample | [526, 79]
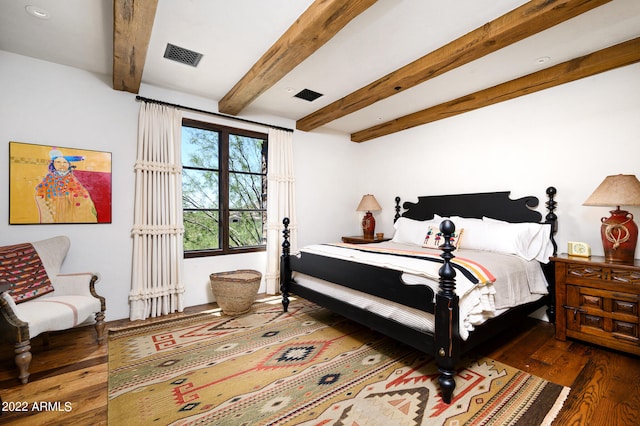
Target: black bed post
[549, 268]
[551, 217]
[447, 333]
[285, 268]
[397, 216]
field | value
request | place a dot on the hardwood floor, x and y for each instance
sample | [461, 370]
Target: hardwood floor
[605, 384]
[68, 379]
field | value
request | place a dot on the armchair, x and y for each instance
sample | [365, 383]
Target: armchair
[36, 298]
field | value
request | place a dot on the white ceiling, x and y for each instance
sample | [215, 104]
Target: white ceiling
[233, 35]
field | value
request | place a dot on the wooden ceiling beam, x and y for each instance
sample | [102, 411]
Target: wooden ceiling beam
[132, 24]
[520, 23]
[620, 55]
[317, 25]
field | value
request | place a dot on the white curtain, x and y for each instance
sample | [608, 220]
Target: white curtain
[157, 286]
[280, 202]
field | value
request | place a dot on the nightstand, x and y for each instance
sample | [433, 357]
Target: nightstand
[362, 240]
[598, 302]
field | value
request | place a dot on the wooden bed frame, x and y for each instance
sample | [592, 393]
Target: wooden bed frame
[445, 344]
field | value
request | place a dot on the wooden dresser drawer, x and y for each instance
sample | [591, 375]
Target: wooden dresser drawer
[602, 313]
[598, 302]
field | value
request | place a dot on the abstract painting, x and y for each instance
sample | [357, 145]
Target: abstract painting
[52, 184]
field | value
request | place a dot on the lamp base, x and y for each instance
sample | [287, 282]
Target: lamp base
[368, 226]
[619, 236]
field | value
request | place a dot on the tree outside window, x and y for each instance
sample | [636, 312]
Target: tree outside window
[224, 189]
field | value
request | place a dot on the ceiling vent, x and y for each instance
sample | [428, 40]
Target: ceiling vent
[182, 55]
[308, 95]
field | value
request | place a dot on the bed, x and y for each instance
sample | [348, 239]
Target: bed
[426, 292]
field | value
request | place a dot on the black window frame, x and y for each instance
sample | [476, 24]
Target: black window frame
[223, 190]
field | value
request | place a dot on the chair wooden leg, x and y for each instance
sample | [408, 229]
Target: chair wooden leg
[100, 326]
[23, 360]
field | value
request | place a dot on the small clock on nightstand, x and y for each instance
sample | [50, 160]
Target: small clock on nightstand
[579, 249]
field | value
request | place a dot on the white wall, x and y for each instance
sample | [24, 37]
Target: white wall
[571, 137]
[329, 186]
[48, 104]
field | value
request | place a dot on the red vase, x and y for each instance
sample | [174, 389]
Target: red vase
[619, 236]
[368, 225]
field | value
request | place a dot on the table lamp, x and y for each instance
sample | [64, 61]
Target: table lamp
[619, 232]
[368, 204]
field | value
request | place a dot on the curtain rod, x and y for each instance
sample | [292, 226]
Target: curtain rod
[230, 117]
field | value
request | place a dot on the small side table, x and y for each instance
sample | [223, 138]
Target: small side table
[598, 301]
[359, 239]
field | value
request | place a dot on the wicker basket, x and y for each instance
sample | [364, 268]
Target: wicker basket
[235, 291]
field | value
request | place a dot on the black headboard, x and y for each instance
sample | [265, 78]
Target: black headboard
[496, 205]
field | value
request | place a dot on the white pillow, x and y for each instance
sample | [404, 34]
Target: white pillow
[410, 231]
[475, 232]
[527, 240]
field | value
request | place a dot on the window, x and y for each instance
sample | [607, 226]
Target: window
[224, 189]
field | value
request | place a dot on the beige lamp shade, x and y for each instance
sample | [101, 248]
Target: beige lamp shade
[368, 204]
[616, 190]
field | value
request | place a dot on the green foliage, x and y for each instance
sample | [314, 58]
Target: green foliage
[202, 199]
[201, 230]
[245, 229]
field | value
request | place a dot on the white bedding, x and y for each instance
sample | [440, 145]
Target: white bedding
[517, 281]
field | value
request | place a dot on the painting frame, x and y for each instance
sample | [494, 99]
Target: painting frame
[51, 184]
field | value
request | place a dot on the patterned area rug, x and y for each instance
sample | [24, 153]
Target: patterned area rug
[305, 367]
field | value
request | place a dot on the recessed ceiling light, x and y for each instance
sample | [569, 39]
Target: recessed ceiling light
[37, 12]
[543, 60]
